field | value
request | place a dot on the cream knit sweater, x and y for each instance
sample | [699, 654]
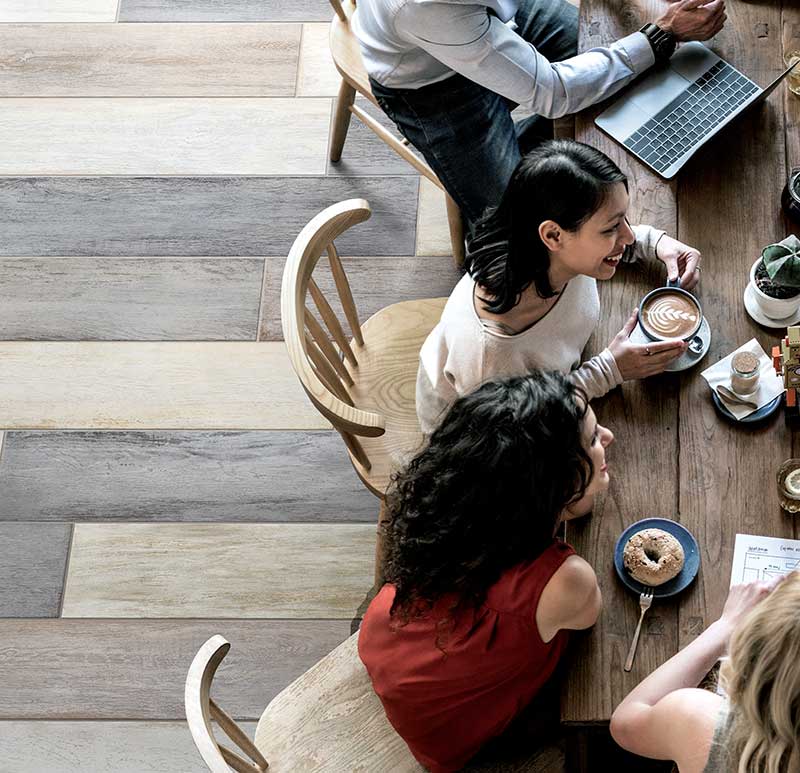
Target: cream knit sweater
[461, 352]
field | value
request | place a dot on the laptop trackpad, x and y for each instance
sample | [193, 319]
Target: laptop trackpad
[657, 90]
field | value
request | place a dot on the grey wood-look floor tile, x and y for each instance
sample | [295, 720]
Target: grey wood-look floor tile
[135, 669]
[178, 216]
[268, 570]
[364, 153]
[375, 282]
[181, 476]
[101, 747]
[151, 385]
[58, 10]
[33, 557]
[119, 299]
[149, 60]
[159, 136]
[433, 232]
[229, 10]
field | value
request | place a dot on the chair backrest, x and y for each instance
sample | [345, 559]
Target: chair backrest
[201, 709]
[322, 357]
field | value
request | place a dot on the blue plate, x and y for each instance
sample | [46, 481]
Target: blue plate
[691, 555]
[762, 413]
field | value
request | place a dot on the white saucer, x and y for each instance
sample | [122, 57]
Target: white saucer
[687, 359]
[754, 310]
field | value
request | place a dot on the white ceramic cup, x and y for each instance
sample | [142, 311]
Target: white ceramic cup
[774, 308]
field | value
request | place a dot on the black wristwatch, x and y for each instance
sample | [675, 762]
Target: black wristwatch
[662, 42]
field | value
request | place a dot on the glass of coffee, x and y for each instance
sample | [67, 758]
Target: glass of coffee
[671, 312]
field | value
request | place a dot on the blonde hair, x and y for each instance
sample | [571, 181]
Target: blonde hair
[762, 679]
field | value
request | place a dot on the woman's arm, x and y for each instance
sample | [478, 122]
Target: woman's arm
[571, 599]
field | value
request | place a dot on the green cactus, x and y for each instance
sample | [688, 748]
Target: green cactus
[782, 262]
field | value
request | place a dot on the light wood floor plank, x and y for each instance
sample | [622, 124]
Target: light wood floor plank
[181, 476]
[229, 10]
[317, 75]
[151, 386]
[433, 235]
[58, 10]
[33, 557]
[149, 60]
[163, 136]
[219, 570]
[129, 299]
[241, 216]
[101, 747]
[375, 282]
[135, 669]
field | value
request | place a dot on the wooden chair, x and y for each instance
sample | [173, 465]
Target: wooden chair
[329, 720]
[347, 58]
[365, 386]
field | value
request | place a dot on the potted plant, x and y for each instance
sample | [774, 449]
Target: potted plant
[775, 279]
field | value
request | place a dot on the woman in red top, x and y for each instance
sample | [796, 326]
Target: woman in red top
[480, 594]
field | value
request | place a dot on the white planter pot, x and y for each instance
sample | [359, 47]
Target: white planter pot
[774, 308]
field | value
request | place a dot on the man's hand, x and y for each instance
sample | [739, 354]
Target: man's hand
[694, 19]
[681, 260]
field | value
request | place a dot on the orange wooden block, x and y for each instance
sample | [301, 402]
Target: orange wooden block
[791, 398]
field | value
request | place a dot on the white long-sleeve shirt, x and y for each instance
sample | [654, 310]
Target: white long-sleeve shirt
[412, 43]
[462, 352]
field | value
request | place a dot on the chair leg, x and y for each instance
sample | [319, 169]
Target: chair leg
[456, 223]
[341, 121]
[379, 544]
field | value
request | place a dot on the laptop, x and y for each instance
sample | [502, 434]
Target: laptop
[668, 114]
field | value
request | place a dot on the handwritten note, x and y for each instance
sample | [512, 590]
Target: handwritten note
[763, 558]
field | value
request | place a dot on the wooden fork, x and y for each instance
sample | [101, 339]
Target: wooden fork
[645, 600]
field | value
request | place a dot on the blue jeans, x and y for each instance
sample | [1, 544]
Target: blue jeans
[464, 131]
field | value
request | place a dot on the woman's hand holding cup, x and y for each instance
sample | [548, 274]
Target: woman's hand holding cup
[642, 360]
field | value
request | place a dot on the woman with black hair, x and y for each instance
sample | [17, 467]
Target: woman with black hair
[529, 298]
[480, 594]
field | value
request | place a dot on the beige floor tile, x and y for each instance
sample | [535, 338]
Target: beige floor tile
[58, 10]
[433, 234]
[164, 136]
[151, 385]
[219, 570]
[148, 60]
[317, 75]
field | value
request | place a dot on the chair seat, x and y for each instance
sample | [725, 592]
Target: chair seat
[331, 720]
[346, 54]
[386, 380]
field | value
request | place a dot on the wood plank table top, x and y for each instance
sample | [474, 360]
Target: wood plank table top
[674, 456]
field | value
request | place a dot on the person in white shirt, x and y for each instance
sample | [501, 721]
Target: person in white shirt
[529, 298]
[449, 72]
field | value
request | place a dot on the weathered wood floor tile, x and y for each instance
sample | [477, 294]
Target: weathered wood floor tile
[364, 153]
[133, 299]
[230, 10]
[149, 60]
[101, 747]
[113, 669]
[219, 570]
[33, 557]
[181, 476]
[238, 216]
[433, 235]
[163, 136]
[317, 75]
[58, 10]
[125, 385]
[376, 283]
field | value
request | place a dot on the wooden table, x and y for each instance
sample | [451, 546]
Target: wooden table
[673, 455]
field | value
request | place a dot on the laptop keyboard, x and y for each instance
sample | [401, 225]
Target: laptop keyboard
[686, 120]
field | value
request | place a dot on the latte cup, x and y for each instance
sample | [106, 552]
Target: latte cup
[671, 312]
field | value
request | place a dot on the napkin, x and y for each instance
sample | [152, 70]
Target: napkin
[770, 385]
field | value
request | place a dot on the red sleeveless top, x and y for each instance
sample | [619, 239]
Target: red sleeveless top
[446, 705]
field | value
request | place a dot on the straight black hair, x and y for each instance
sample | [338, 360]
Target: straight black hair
[560, 180]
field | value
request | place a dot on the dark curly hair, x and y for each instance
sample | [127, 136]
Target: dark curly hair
[486, 492]
[560, 180]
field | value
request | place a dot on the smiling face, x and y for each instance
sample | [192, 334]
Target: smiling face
[596, 438]
[596, 247]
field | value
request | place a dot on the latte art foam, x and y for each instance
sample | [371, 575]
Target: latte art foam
[671, 316]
